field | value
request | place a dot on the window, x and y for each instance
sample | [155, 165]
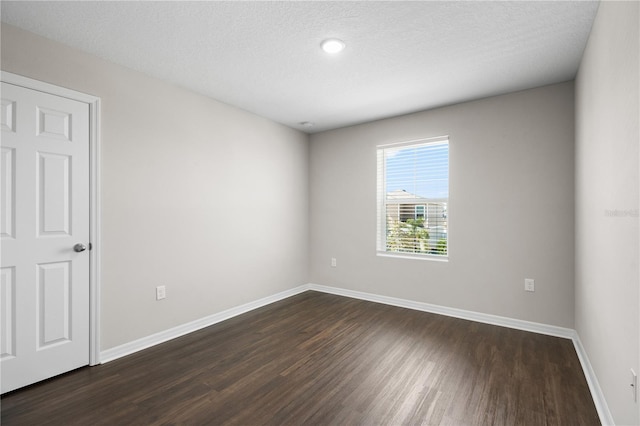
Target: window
[413, 198]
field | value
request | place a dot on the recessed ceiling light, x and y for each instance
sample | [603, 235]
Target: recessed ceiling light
[332, 45]
[307, 123]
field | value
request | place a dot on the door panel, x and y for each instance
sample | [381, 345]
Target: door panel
[8, 324]
[53, 187]
[53, 304]
[44, 180]
[8, 190]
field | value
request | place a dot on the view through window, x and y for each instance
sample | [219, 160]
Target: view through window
[413, 198]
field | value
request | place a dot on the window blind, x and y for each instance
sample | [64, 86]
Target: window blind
[413, 198]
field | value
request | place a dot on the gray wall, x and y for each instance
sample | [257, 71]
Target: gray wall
[199, 196]
[607, 194]
[510, 210]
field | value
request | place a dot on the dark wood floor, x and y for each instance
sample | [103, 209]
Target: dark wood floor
[323, 359]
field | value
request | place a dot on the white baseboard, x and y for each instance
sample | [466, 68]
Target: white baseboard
[534, 327]
[181, 330]
[596, 392]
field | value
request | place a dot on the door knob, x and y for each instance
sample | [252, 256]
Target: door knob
[79, 247]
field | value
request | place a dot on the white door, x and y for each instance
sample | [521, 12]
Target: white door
[44, 180]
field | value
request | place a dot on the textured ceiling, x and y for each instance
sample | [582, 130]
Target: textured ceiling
[264, 57]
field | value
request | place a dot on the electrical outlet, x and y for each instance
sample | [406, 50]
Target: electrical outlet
[161, 292]
[634, 385]
[529, 284]
[334, 263]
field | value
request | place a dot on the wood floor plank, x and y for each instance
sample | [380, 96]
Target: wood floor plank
[323, 359]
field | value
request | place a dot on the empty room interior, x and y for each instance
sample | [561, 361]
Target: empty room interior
[320, 212]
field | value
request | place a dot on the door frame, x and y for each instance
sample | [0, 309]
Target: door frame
[94, 196]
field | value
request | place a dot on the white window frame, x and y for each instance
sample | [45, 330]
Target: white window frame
[381, 207]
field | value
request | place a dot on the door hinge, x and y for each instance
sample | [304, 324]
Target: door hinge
[90, 246]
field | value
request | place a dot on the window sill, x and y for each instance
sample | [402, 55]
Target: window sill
[413, 256]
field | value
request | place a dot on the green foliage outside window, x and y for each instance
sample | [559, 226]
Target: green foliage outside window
[412, 237]
[407, 237]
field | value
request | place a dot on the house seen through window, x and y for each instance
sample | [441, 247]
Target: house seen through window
[413, 197]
